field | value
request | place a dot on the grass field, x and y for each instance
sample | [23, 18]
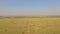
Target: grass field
[30, 26]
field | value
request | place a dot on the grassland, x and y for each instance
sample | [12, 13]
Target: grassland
[48, 25]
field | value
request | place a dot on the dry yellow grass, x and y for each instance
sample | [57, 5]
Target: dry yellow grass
[30, 26]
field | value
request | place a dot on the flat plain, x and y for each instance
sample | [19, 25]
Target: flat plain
[48, 25]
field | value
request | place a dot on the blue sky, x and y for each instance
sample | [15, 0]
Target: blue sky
[29, 7]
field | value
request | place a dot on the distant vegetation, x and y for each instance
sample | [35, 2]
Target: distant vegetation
[28, 17]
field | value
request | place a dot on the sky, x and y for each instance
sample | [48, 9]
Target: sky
[29, 7]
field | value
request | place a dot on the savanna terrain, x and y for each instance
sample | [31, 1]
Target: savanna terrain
[47, 25]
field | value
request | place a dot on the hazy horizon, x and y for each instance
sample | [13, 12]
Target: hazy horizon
[29, 7]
